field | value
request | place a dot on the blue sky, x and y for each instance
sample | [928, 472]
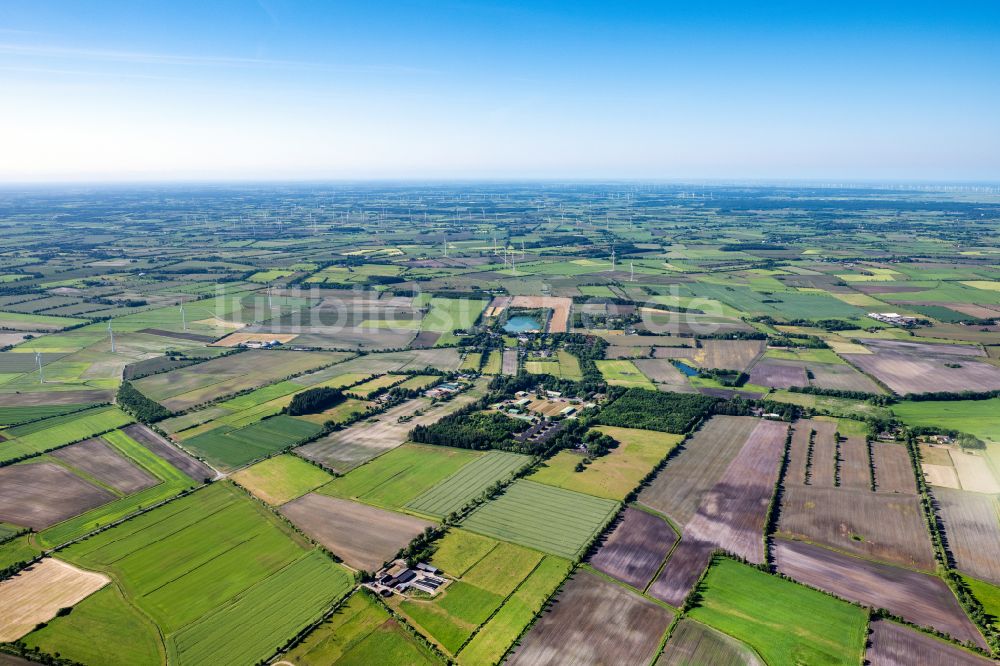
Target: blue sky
[651, 90]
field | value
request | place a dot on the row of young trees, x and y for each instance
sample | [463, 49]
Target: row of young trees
[138, 405]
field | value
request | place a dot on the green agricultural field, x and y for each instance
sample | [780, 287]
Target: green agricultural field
[453, 615]
[542, 367]
[847, 427]
[192, 555]
[471, 361]
[845, 407]
[396, 478]
[360, 632]
[597, 290]
[7, 531]
[279, 606]
[193, 385]
[14, 415]
[448, 314]
[339, 413]
[20, 321]
[419, 382]
[624, 373]
[492, 365]
[460, 550]
[467, 483]
[229, 447]
[261, 396]
[940, 313]
[18, 549]
[552, 520]
[614, 475]
[569, 366]
[127, 638]
[172, 482]
[975, 417]
[499, 633]
[269, 276]
[806, 355]
[57, 431]
[209, 563]
[366, 389]
[796, 625]
[281, 479]
[988, 595]
[785, 305]
[563, 365]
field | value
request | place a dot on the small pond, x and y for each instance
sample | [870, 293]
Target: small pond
[522, 324]
[685, 368]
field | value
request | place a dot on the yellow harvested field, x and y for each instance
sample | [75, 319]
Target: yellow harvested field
[559, 323]
[942, 476]
[974, 472]
[234, 339]
[844, 347]
[985, 285]
[215, 322]
[860, 300]
[36, 594]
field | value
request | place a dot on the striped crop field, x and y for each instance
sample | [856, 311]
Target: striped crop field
[467, 483]
[552, 520]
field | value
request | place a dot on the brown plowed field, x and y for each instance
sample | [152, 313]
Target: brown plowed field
[892, 644]
[842, 377]
[191, 466]
[824, 457]
[971, 525]
[779, 374]
[363, 536]
[682, 570]
[875, 525]
[636, 547]
[855, 470]
[906, 373]
[731, 515]
[693, 643]
[920, 598]
[509, 362]
[96, 458]
[678, 490]
[798, 453]
[893, 472]
[660, 370]
[343, 450]
[594, 621]
[728, 354]
[38, 495]
[32, 399]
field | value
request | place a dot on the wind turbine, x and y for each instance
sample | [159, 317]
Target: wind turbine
[184, 324]
[38, 360]
[631, 272]
[111, 334]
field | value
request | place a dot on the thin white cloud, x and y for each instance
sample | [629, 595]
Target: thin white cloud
[85, 72]
[139, 57]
